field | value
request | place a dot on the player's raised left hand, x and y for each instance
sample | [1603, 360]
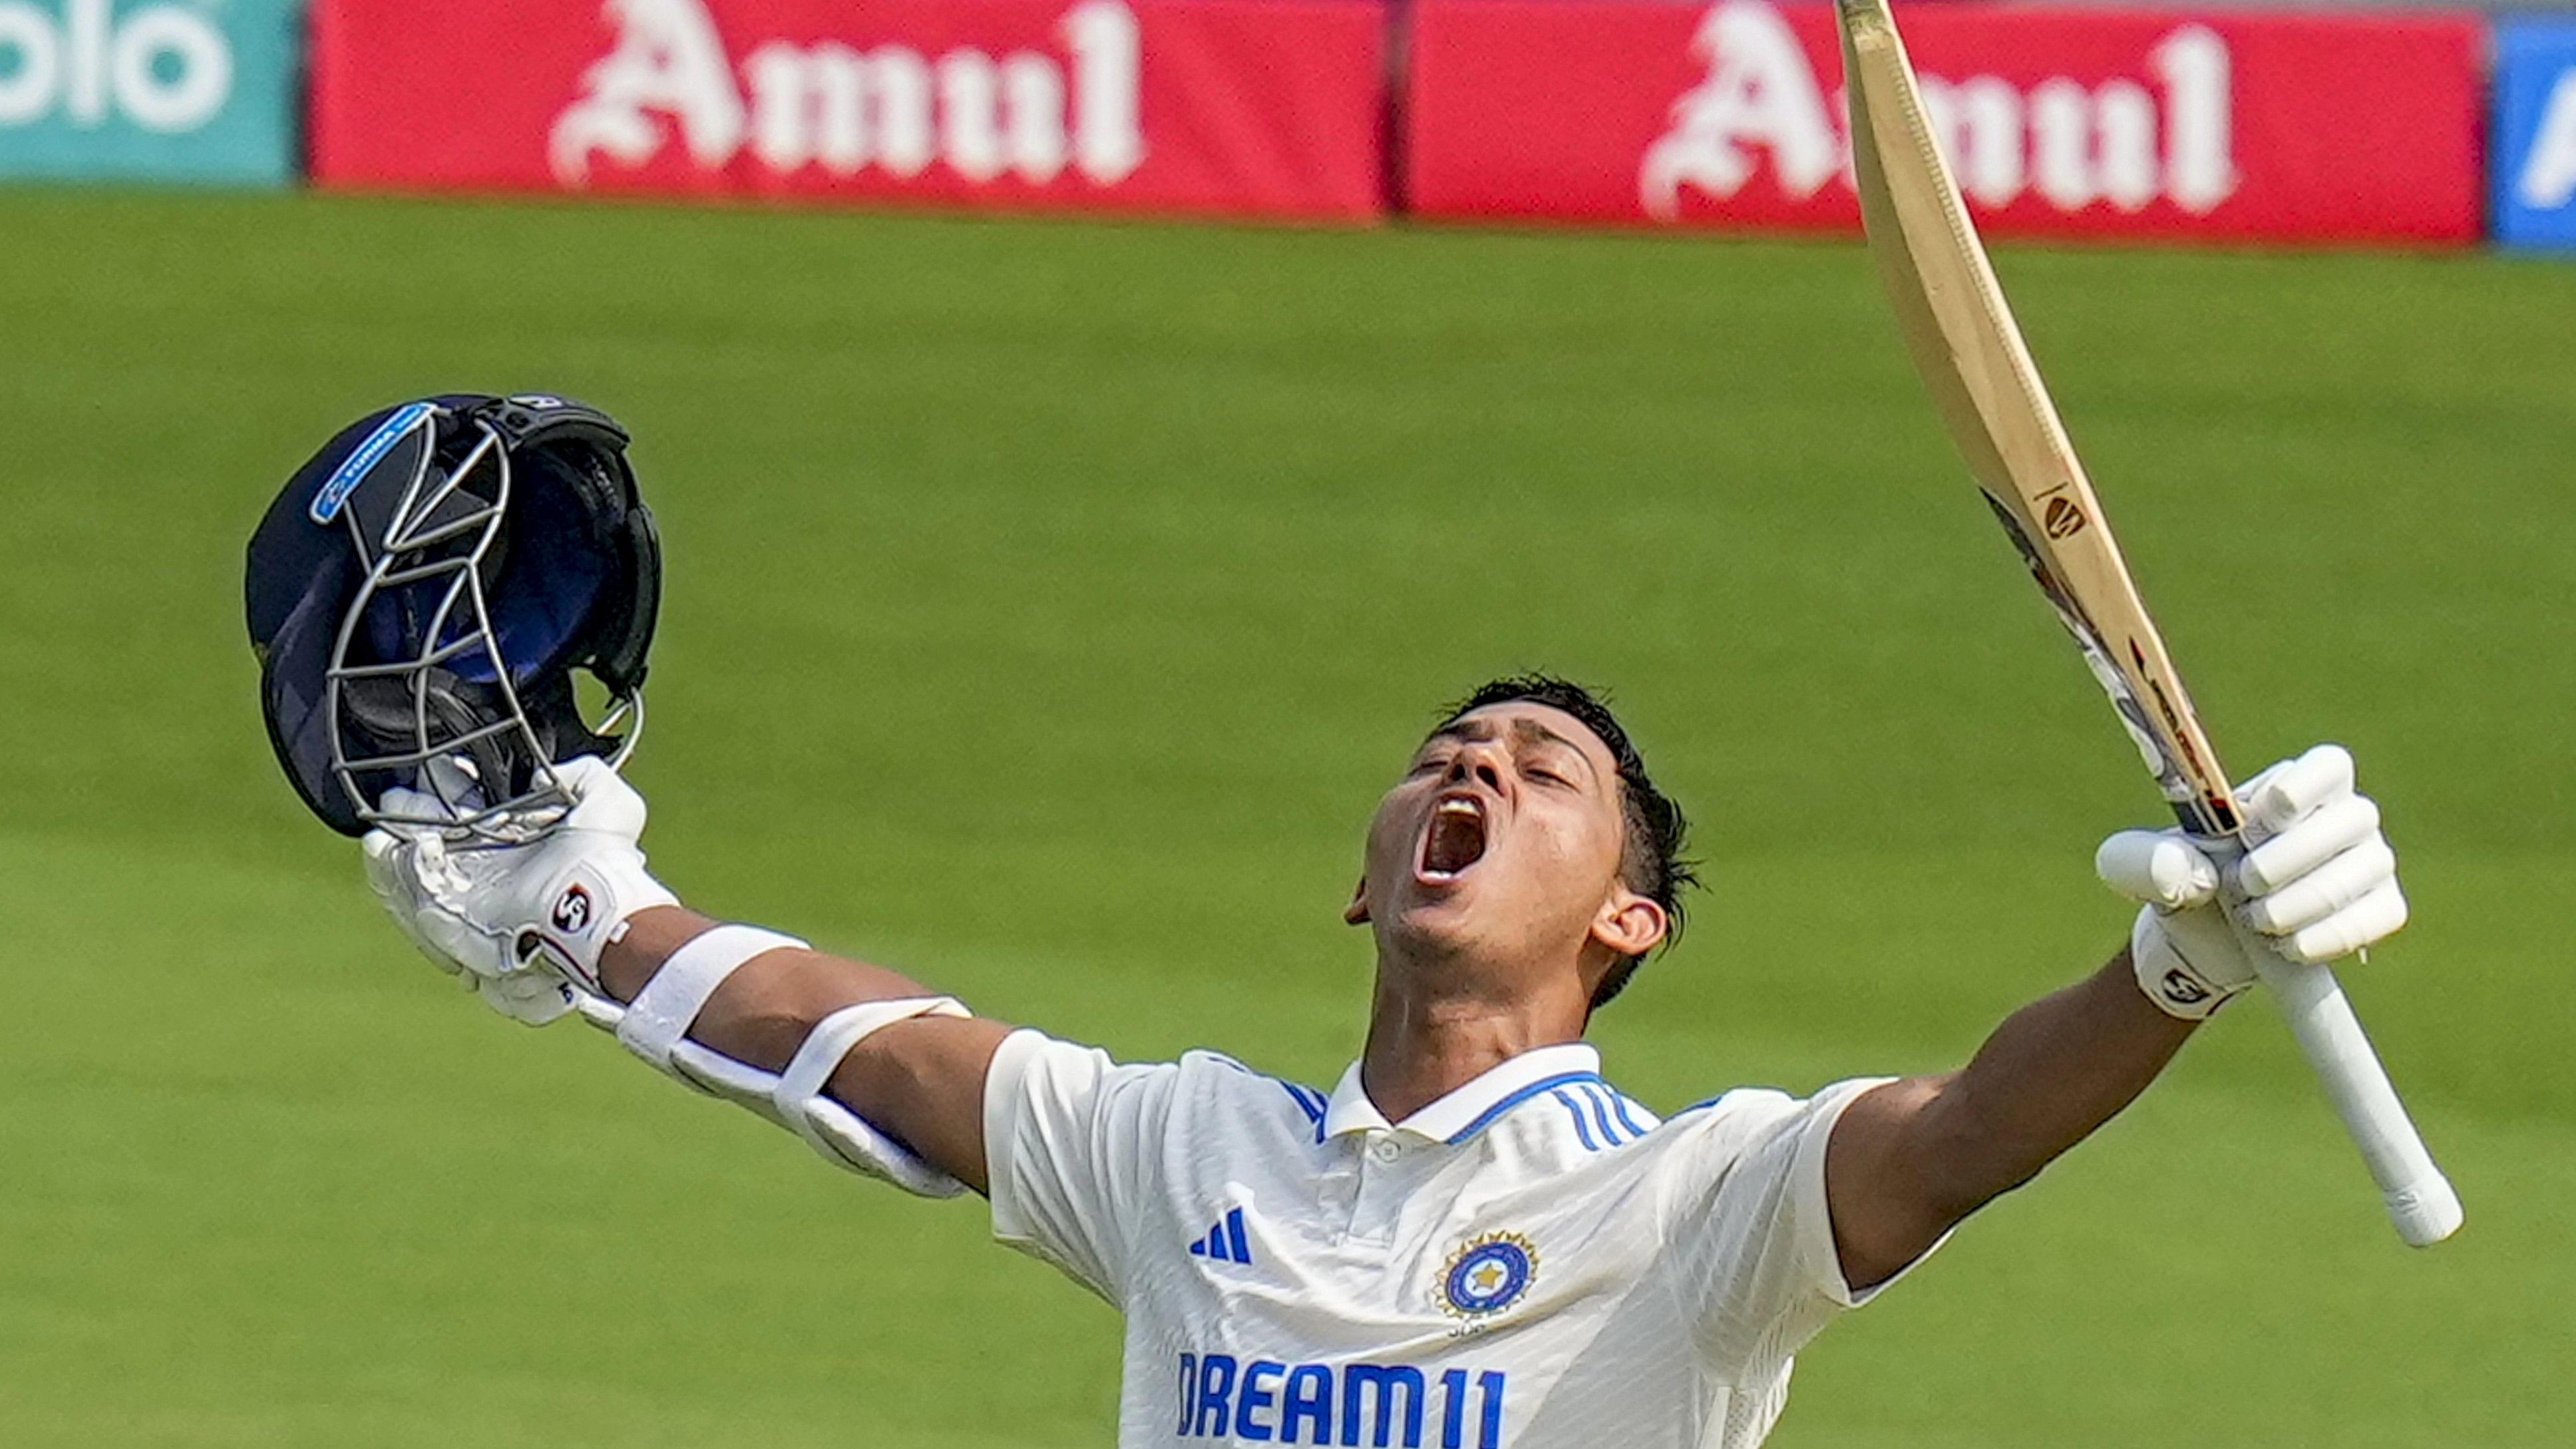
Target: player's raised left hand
[524, 924]
[2321, 884]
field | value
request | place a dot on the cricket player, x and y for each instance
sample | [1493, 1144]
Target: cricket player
[1473, 1240]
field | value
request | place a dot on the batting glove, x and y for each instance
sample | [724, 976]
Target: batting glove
[2320, 883]
[524, 924]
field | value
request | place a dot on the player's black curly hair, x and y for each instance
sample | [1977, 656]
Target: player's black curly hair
[1652, 864]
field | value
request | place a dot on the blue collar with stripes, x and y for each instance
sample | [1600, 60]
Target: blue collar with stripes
[1567, 1076]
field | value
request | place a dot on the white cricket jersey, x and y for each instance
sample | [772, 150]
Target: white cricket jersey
[1531, 1262]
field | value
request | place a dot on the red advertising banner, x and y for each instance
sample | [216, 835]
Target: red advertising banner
[1234, 107]
[2089, 122]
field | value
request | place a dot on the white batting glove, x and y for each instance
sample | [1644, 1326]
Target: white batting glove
[2321, 884]
[525, 924]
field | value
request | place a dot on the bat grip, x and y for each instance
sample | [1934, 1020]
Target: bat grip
[2420, 1200]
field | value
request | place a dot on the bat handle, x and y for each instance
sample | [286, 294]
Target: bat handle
[2420, 1200]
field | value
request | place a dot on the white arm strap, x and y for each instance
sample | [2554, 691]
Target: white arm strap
[800, 1088]
[856, 1145]
[659, 1017]
[654, 1027]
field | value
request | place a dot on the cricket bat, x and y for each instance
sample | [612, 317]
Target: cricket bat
[1972, 357]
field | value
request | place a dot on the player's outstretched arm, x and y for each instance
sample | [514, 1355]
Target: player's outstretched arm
[875, 1072]
[919, 1080]
[1909, 1160]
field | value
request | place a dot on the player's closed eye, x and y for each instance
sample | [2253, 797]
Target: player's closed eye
[1550, 766]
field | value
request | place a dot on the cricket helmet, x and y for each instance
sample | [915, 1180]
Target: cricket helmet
[421, 594]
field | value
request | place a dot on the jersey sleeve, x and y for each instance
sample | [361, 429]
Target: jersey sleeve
[1071, 1143]
[1751, 1243]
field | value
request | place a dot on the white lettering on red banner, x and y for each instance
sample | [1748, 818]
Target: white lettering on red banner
[2129, 140]
[2062, 121]
[1190, 107]
[834, 106]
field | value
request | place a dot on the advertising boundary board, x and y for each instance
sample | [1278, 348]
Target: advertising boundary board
[2115, 124]
[1233, 108]
[2180, 124]
[150, 90]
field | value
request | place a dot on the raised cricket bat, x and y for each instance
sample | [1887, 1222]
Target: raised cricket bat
[1972, 357]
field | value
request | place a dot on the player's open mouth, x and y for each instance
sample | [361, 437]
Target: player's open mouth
[1452, 840]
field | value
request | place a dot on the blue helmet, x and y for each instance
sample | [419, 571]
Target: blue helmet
[421, 594]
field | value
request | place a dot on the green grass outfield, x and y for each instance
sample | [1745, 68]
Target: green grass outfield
[1049, 604]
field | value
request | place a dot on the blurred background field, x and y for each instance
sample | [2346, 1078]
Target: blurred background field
[1049, 603]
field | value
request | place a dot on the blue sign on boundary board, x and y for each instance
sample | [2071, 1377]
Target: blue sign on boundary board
[151, 90]
[2532, 164]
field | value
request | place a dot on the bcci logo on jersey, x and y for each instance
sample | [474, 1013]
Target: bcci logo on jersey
[1486, 1276]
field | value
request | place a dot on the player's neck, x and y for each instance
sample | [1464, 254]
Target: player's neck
[1427, 1040]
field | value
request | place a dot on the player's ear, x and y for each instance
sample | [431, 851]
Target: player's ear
[1357, 912]
[1630, 924]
